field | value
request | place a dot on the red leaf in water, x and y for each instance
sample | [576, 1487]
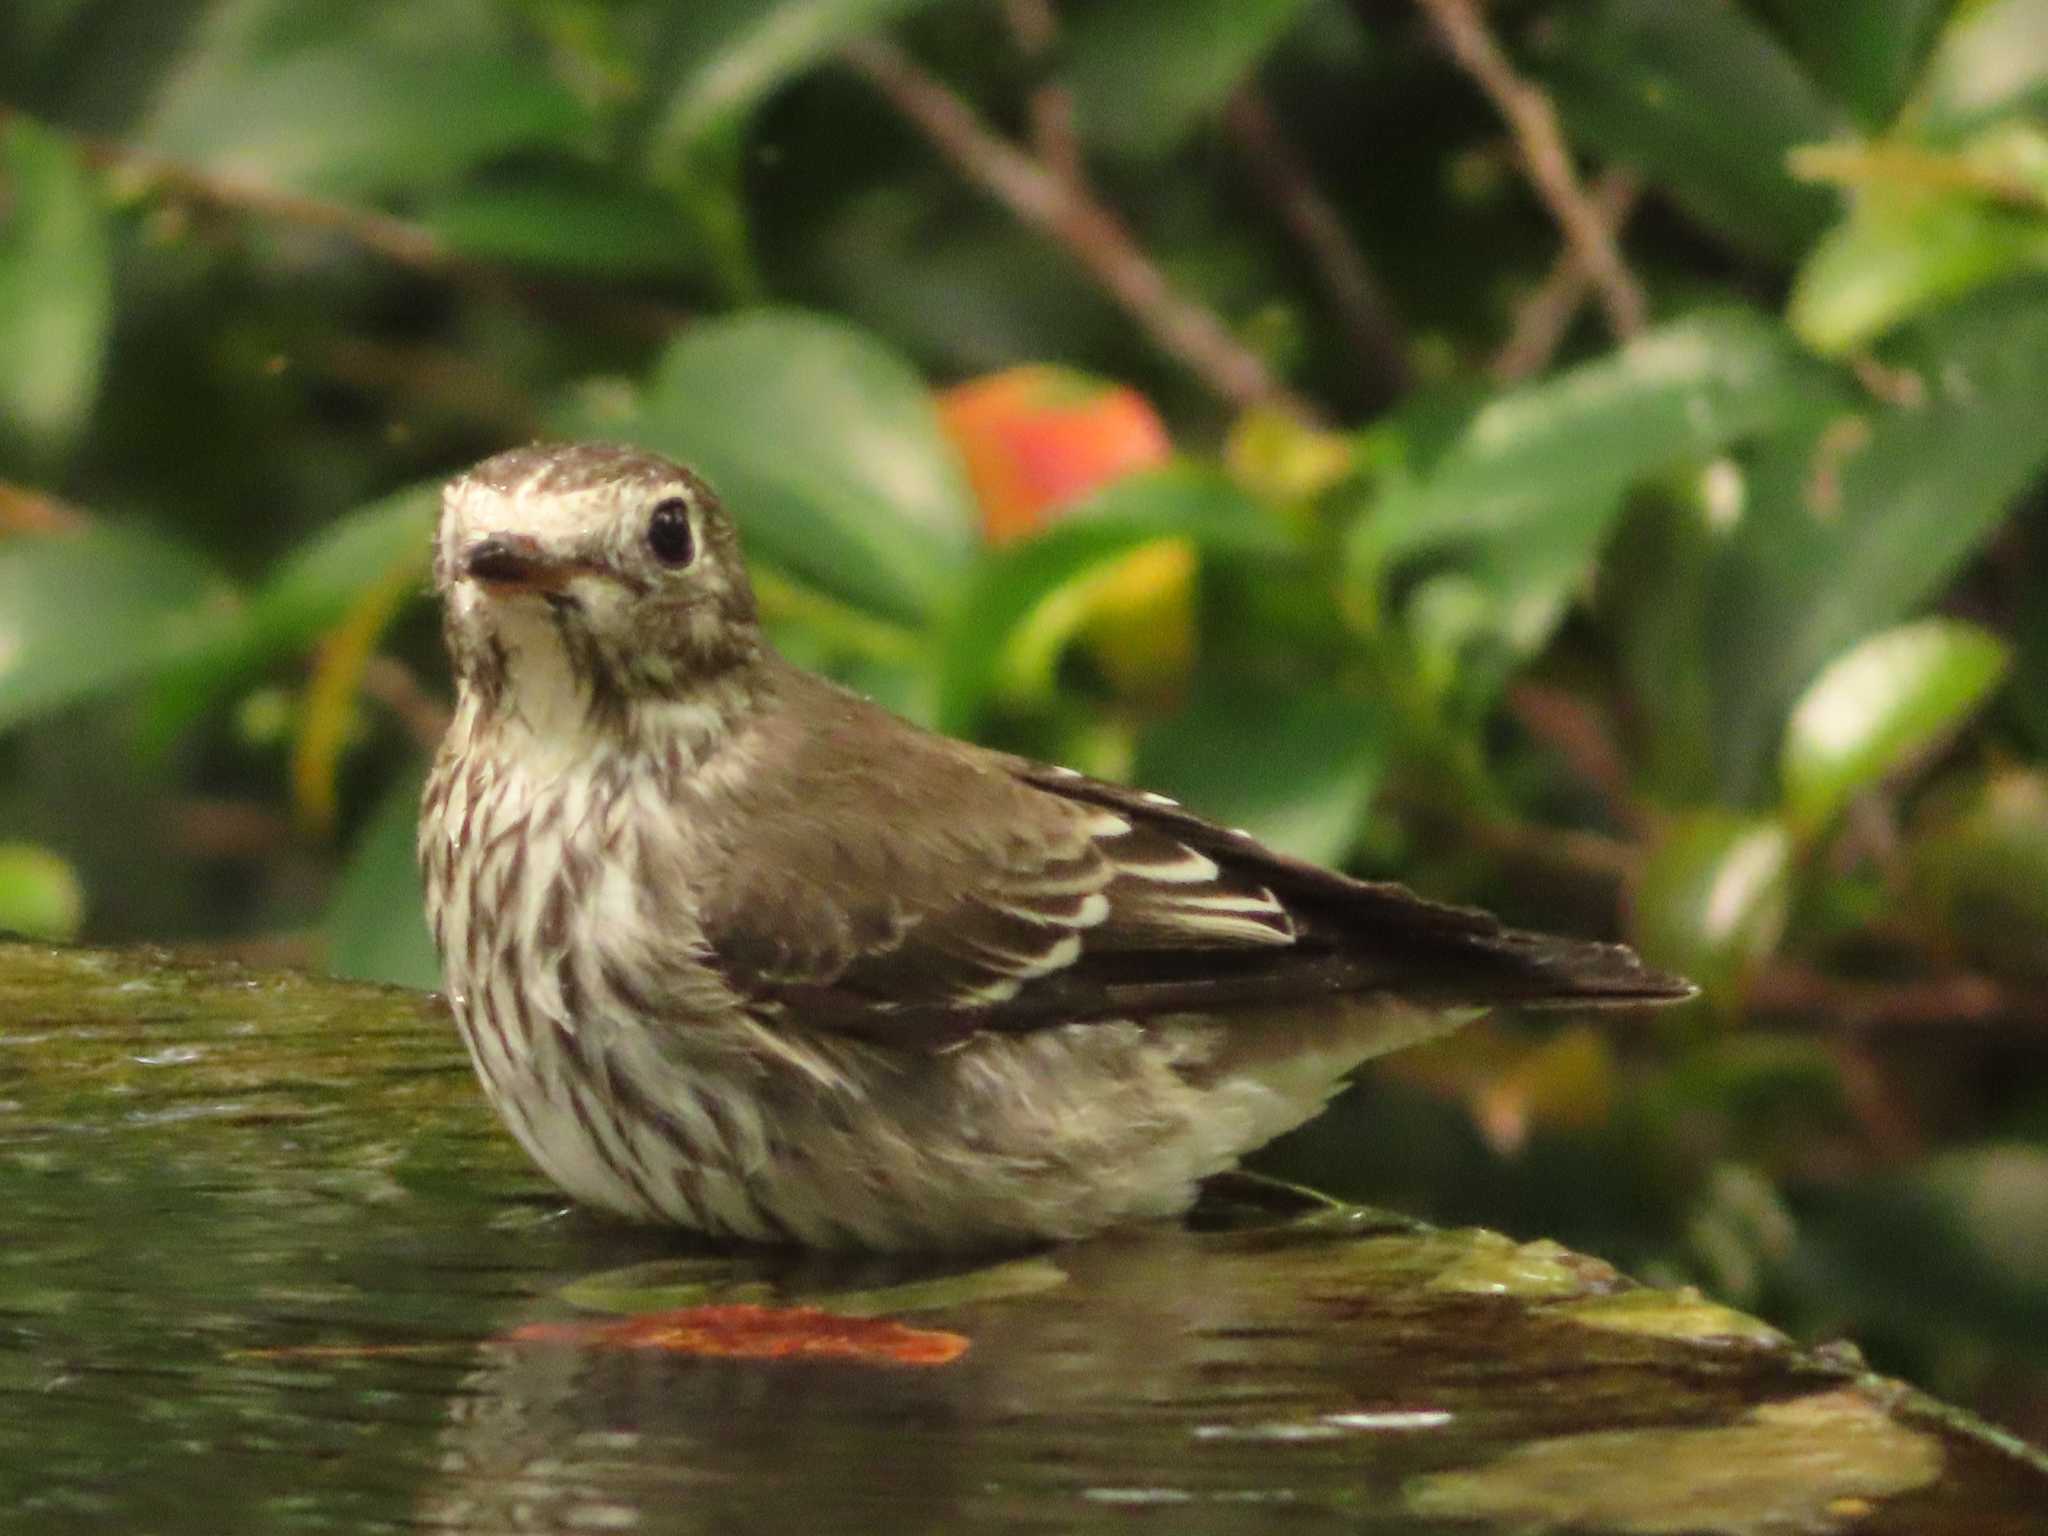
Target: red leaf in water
[746, 1332]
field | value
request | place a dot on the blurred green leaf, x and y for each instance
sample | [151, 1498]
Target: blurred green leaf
[1866, 53]
[737, 51]
[1010, 586]
[345, 119]
[1879, 706]
[568, 220]
[825, 445]
[1956, 1243]
[1773, 1085]
[1899, 253]
[1656, 86]
[40, 894]
[1549, 457]
[1992, 60]
[376, 923]
[34, 25]
[1713, 898]
[1305, 789]
[302, 597]
[1849, 530]
[1998, 1196]
[152, 604]
[56, 292]
[1144, 73]
[2028, 705]
[1978, 860]
[312, 588]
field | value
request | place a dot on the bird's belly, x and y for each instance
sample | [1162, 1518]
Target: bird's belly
[1004, 1140]
[548, 1111]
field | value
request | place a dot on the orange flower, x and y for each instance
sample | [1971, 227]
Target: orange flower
[1039, 437]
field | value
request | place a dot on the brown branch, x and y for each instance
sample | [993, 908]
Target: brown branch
[23, 510]
[1079, 221]
[1545, 158]
[229, 829]
[381, 234]
[1542, 319]
[1283, 178]
[1957, 999]
[1592, 855]
[1569, 727]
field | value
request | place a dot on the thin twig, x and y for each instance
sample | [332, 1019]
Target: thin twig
[394, 685]
[1545, 158]
[1543, 318]
[1072, 215]
[1053, 136]
[1283, 178]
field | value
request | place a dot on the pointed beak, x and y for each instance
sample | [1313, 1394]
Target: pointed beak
[512, 562]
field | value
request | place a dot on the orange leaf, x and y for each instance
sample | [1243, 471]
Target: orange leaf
[743, 1331]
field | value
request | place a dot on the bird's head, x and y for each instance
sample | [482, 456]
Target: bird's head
[602, 573]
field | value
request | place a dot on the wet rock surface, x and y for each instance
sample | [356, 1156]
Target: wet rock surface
[269, 1264]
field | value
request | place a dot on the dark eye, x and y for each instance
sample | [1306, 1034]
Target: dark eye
[668, 532]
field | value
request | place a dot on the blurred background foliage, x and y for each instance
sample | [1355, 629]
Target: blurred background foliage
[1579, 456]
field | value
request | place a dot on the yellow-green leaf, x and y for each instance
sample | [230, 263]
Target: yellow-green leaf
[1878, 706]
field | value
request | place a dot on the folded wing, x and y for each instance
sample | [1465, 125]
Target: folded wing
[1000, 894]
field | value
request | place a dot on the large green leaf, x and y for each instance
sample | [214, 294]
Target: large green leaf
[735, 52]
[568, 220]
[1880, 705]
[1712, 899]
[1705, 103]
[1295, 769]
[88, 614]
[56, 292]
[306, 594]
[1560, 448]
[1850, 531]
[1145, 72]
[1899, 253]
[350, 120]
[824, 444]
[40, 894]
[376, 922]
[314, 586]
[1011, 587]
[1992, 60]
[1865, 52]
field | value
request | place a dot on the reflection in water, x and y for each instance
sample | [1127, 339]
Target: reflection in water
[1128, 1387]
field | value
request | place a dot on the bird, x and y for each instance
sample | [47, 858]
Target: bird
[735, 949]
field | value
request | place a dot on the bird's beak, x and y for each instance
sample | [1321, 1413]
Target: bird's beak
[511, 562]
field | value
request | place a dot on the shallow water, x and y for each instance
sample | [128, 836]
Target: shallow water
[264, 1250]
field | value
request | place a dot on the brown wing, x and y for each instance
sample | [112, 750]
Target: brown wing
[912, 889]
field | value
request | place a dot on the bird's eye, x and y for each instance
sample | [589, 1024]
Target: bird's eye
[669, 536]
